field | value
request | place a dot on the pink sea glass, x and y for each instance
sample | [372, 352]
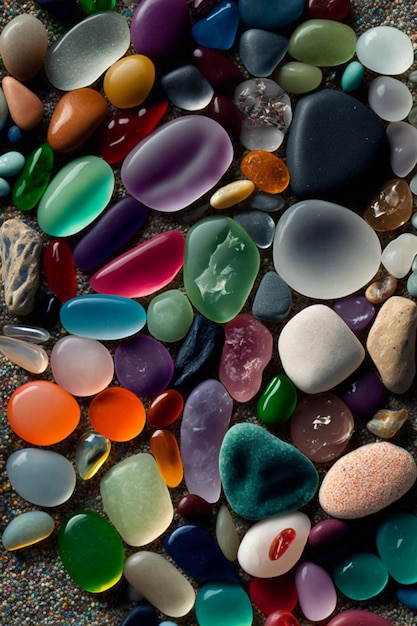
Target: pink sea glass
[247, 351]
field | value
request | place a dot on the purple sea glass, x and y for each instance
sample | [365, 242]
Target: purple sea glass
[143, 365]
[206, 417]
[316, 591]
[363, 393]
[356, 311]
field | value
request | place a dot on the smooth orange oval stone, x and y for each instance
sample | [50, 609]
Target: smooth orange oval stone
[117, 413]
[167, 455]
[165, 408]
[128, 82]
[75, 118]
[266, 170]
[25, 108]
[391, 207]
[42, 413]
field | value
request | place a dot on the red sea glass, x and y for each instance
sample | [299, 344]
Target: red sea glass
[58, 264]
[165, 408]
[274, 594]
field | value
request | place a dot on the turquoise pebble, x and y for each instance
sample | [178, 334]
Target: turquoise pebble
[270, 15]
[15, 134]
[361, 576]
[396, 544]
[11, 163]
[407, 596]
[4, 188]
[102, 316]
[414, 220]
[27, 529]
[412, 284]
[4, 110]
[352, 76]
[223, 604]
[170, 316]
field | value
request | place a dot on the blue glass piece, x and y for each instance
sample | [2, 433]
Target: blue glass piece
[407, 596]
[218, 28]
[15, 134]
[198, 554]
[141, 615]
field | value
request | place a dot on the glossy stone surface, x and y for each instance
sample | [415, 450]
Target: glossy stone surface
[341, 253]
[333, 10]
[223, 110]
[273, 596]
[225, 603]
[385, 50]
[94, 6]
[165, 450]
[361, 577]
[194, 508]
[27, 529]
[266, 170]
[386, 423]
[220, 266]
[402, 138]
[246, 352]
[169, 316]
[187, 88]
[11, 163]
[86, 51]
[316, 591]
[102, 316]
[327, 534]
[42, 477]
[218, 28]
[396, 546]
[273, 299]
[352, 76]
[259, 226]
[277, 401]
[91, 551]
[76, 196]
[25, 108]
[191, 153]
[256, 487]
[397, 256]
[32, 181]
[58, 265]
[165, 408]
[136, 499]
[117, 413]
[391, 206]
[80, 365]
[23, 45]
[273, 546]
[160, 583]
[129, 81]
[226, 533]
[143, 365]
[356, 311]
[389, 98]
[263, 15]
[205, 420]
[297, 77]
[281, 618]
[144, 269]
[32, 334]
[196, 552]
[321, 427]
[347, 492]
[380, 290]
[358, 616]
[261, 51]
[221, 72]
[30, 356]
[322, 42]
[363, 393]
[231, 194]
[42, 413]
[91, 453]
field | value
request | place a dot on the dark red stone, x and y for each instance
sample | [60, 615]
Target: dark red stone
[222, 74]
[281, 618]
[194, 508]
[281, 543]
[328, 9]
[58, 264]
[223, 110]
[274, 594]
[165, 408]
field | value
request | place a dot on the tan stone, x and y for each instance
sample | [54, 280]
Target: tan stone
[23, 45]
[25, 108]
[380, 290]
[391, 343]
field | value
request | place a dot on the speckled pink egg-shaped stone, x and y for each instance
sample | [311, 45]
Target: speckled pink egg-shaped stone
[367, 480]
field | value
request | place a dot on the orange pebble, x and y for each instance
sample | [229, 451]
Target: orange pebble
[266, 170]
[117, 413]
[42, 413]
[165, 449]
[128, 82]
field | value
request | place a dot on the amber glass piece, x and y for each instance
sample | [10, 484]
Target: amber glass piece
[165, 449]
[266, 170]
[165, 408]
[391, 207]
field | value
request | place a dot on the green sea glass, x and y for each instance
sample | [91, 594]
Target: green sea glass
[324, 43]
[361, 576]
[223, 604]
[94, 6]
[34, 178]
[277, 402]
[396, 544]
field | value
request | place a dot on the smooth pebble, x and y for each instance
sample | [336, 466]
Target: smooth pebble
[26, 529]
[385, 50]
[389, 98]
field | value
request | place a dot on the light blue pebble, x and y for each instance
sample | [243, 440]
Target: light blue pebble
[4, 188]
[167, 624]
[26, 529]
[4, 110]
[11, 163]
[407, 596]
[414, 220]
[352, 76]
[412, 284]
[15, 134]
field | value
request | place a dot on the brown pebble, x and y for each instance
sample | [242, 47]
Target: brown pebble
[386, 423]
[391, 207]
[76, 116]
[25, 108]
[23, 45]
[380, 290]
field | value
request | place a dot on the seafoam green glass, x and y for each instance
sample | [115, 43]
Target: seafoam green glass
[169, 316]
[34, 178]
[223, 604]
[361, 576]
[396, 544]
[324, 43]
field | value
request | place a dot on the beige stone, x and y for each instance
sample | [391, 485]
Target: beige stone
[25, 108]
[20, 253]
[391, 343]
[23, 45]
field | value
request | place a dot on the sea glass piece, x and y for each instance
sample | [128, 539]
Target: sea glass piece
[32, 334]
[386, 423]
[30, 356]
[361, 576]
[129, 81]
[274, 595]
[32, 181]
[169, 316]
[23, 45]
[117, 413]
[194, 508]
[143, 365]
[27, 529]
[42, 413]
[231, 194]
[316, 592]
[102, 316]
[11, 163]
[391, 206]
[281, 618]
[322, 42]
[165, 408]
[266, 170]
[187, 88]
[226, 533]
[340, 252]
[165, 450]
[352, 76]
[277, 401]
[59, 268]
[396, 546]
[91, 551]
[356, 311]
[219, 27]
[225, 603]
[86, 51]
[397, 256]
[297, 78]
[261, 50]
[385, 50]
[25, 108]
[389, 98]
[380, 290]
[402, 138]
[259, 225]
[91, 453]
[206, 417]
[264, 15]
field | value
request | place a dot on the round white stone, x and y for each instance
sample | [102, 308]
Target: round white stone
[389, 98]
[397, 257]
[324, 250]
[385, 49]
[402, 138]
[261, 138]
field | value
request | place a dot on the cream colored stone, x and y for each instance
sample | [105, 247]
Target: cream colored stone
[160, 582]
[391, 343]
[232, 194]
[226, 533]
[30, 356]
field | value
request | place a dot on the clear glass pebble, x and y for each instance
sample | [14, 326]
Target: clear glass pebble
[263, 102]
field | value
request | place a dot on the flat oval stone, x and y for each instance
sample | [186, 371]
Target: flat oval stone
[102, 316]
[77, 115]
[316, 592]
[231, 194]
[219, 27]
[169, 316]
[91, 551]
[59, 268]
[220, 266]
[225, 603]
[190, 153]
[120, 402]
[25, 108]
[136, 499]
[206, 417]
[356, 311]
[26, 529]
[385, 50]
[328, 533]
[263, 15]
[81, 366]
[357, 616]
[319, 332]
[91, 453]
[42, 477]
[30, 356]
[32, 181]
[297, 77]
[156, 579]
[273, 546]
[226, 533]
[187, 88]
[261, 51]
[402, 138]
[165, 408]
[395, 545]
[87, 50]
[277, 401]
[23, 45]
[11, 163]
[361, 576]
[349, 492]
[273, 299]
[256, 487]
[144, 269]
[32, 334]
[389, 98]
[165, 450]
[129, 81]
[391, 206]
[42, 413]
[148, 357]
[76, 196]
[259, 226]
[246, 352]
[333, 237]
[322, 42]
[266, 170]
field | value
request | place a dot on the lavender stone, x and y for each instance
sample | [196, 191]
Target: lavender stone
[143, 365]
[356, 311]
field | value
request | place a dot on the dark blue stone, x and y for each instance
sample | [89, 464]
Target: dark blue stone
[15, 134]
[270, 14]
[407, 596]
[198, 554]
[259, 225]
[218, 28]
[141, 615]
[261, 50]
[273, 299]
[337, 148]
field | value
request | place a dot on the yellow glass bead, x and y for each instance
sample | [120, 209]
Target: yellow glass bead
[232, 194]
[128, 82]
